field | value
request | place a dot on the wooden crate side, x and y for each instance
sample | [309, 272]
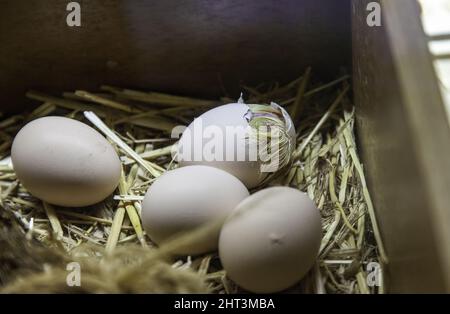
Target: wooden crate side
[405, 144]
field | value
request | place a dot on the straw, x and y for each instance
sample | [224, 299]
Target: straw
[92, 117]
[324, 164]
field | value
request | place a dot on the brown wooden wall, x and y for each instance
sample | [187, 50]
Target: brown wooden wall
[182, 46]
[405, 143]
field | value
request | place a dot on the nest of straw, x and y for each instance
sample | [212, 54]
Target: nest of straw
[39, 240]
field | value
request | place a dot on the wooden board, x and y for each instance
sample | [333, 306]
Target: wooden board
[405, 143]
[436, 23]
[193, 47]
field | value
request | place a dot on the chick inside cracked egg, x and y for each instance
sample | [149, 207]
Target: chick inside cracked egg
[249, 141]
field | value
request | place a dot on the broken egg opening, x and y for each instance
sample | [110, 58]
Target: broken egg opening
[250, 141]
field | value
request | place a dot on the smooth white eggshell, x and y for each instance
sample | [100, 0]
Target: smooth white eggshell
[271, 240]
[187, 198]
[65, 162]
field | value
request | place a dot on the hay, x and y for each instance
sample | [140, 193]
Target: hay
[107, 239]
[129, 269]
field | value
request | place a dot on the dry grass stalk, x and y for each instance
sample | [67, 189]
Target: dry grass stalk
[105, 236]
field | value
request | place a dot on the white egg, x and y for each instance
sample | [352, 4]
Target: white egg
[271, 240]
[220, 138]
[65, 162]
[187, 198]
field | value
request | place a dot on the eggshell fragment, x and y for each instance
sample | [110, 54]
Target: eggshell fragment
[271, 240]
[187, 198]
[65, 162]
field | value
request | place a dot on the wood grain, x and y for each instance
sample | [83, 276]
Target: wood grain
[190, 47]
[405, 144]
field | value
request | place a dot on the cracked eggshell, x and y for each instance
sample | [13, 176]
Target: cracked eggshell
[271, 240]
[186, 198]
[65, 162]
[218, 119]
